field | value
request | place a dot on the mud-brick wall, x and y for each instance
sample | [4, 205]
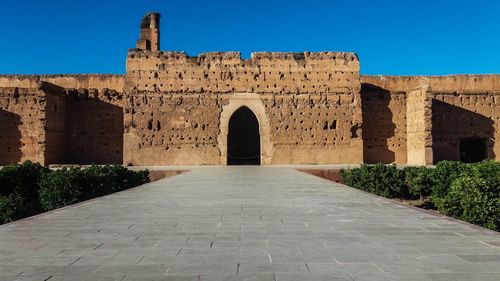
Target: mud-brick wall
[52, 125]
[461, 115]
[22, 125]
[313, 73]
[175, 129]
[55, 124]
[94, 126]
[308, 104]
[418, 127]
[446, 83]
[384, 125]
[44, 119]
[172, 129]
[314, 129]
[69, 81]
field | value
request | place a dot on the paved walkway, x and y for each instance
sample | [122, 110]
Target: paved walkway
[243, 223]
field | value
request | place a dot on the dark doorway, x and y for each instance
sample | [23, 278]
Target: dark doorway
[472, 150]
[243, 139]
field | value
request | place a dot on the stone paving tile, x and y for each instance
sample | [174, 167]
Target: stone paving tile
[245, 223]
[389, 276]
[272, 268]
[338, 276]
[35, 271]
[481, 258]
[12, 270]
[214, 268]
[464, 277]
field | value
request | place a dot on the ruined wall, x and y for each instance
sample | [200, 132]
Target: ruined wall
[384, 125]
[436, 83]
[314, 129]
[10, 137]
[77, 81]
[186, 95]
[22, 125]
[81, 128]
[94, 126]
[284, 73]
[55, 123]
[312, 108]
[451, 109]
[419, 126]
[462, 115]
[172, 129]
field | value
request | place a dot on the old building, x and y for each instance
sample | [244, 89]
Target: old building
[274, 108]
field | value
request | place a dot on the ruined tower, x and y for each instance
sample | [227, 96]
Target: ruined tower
[150, 33]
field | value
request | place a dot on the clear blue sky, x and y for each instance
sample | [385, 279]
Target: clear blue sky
[401, 37]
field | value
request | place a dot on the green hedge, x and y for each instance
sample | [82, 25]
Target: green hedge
[68, 186]
[19, 190]
[470, 192]
[445, 173]
[473, 195]
[387, 181]
[419, 181]
[29, 188]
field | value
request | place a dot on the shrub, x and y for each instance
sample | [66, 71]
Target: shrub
[68, 186]
[100, 180]
[470, 192]
[379, 179]
[29, 188]
[21, 178]
[61, 188]
[135, 178]
[10, 206]
[488, 170]
[19, 190]
[444, 174]
[108, 179]
[420, 181]
[474, 195]
[470, 199]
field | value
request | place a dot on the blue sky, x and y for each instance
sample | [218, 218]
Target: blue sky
[393, 37]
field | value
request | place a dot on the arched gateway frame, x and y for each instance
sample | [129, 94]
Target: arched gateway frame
[241, 103]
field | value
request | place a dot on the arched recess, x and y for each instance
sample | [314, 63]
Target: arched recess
[243, 138]
[254, 103]
[473, 150]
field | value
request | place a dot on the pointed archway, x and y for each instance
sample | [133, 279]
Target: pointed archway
[254, 103]
[243, 138]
